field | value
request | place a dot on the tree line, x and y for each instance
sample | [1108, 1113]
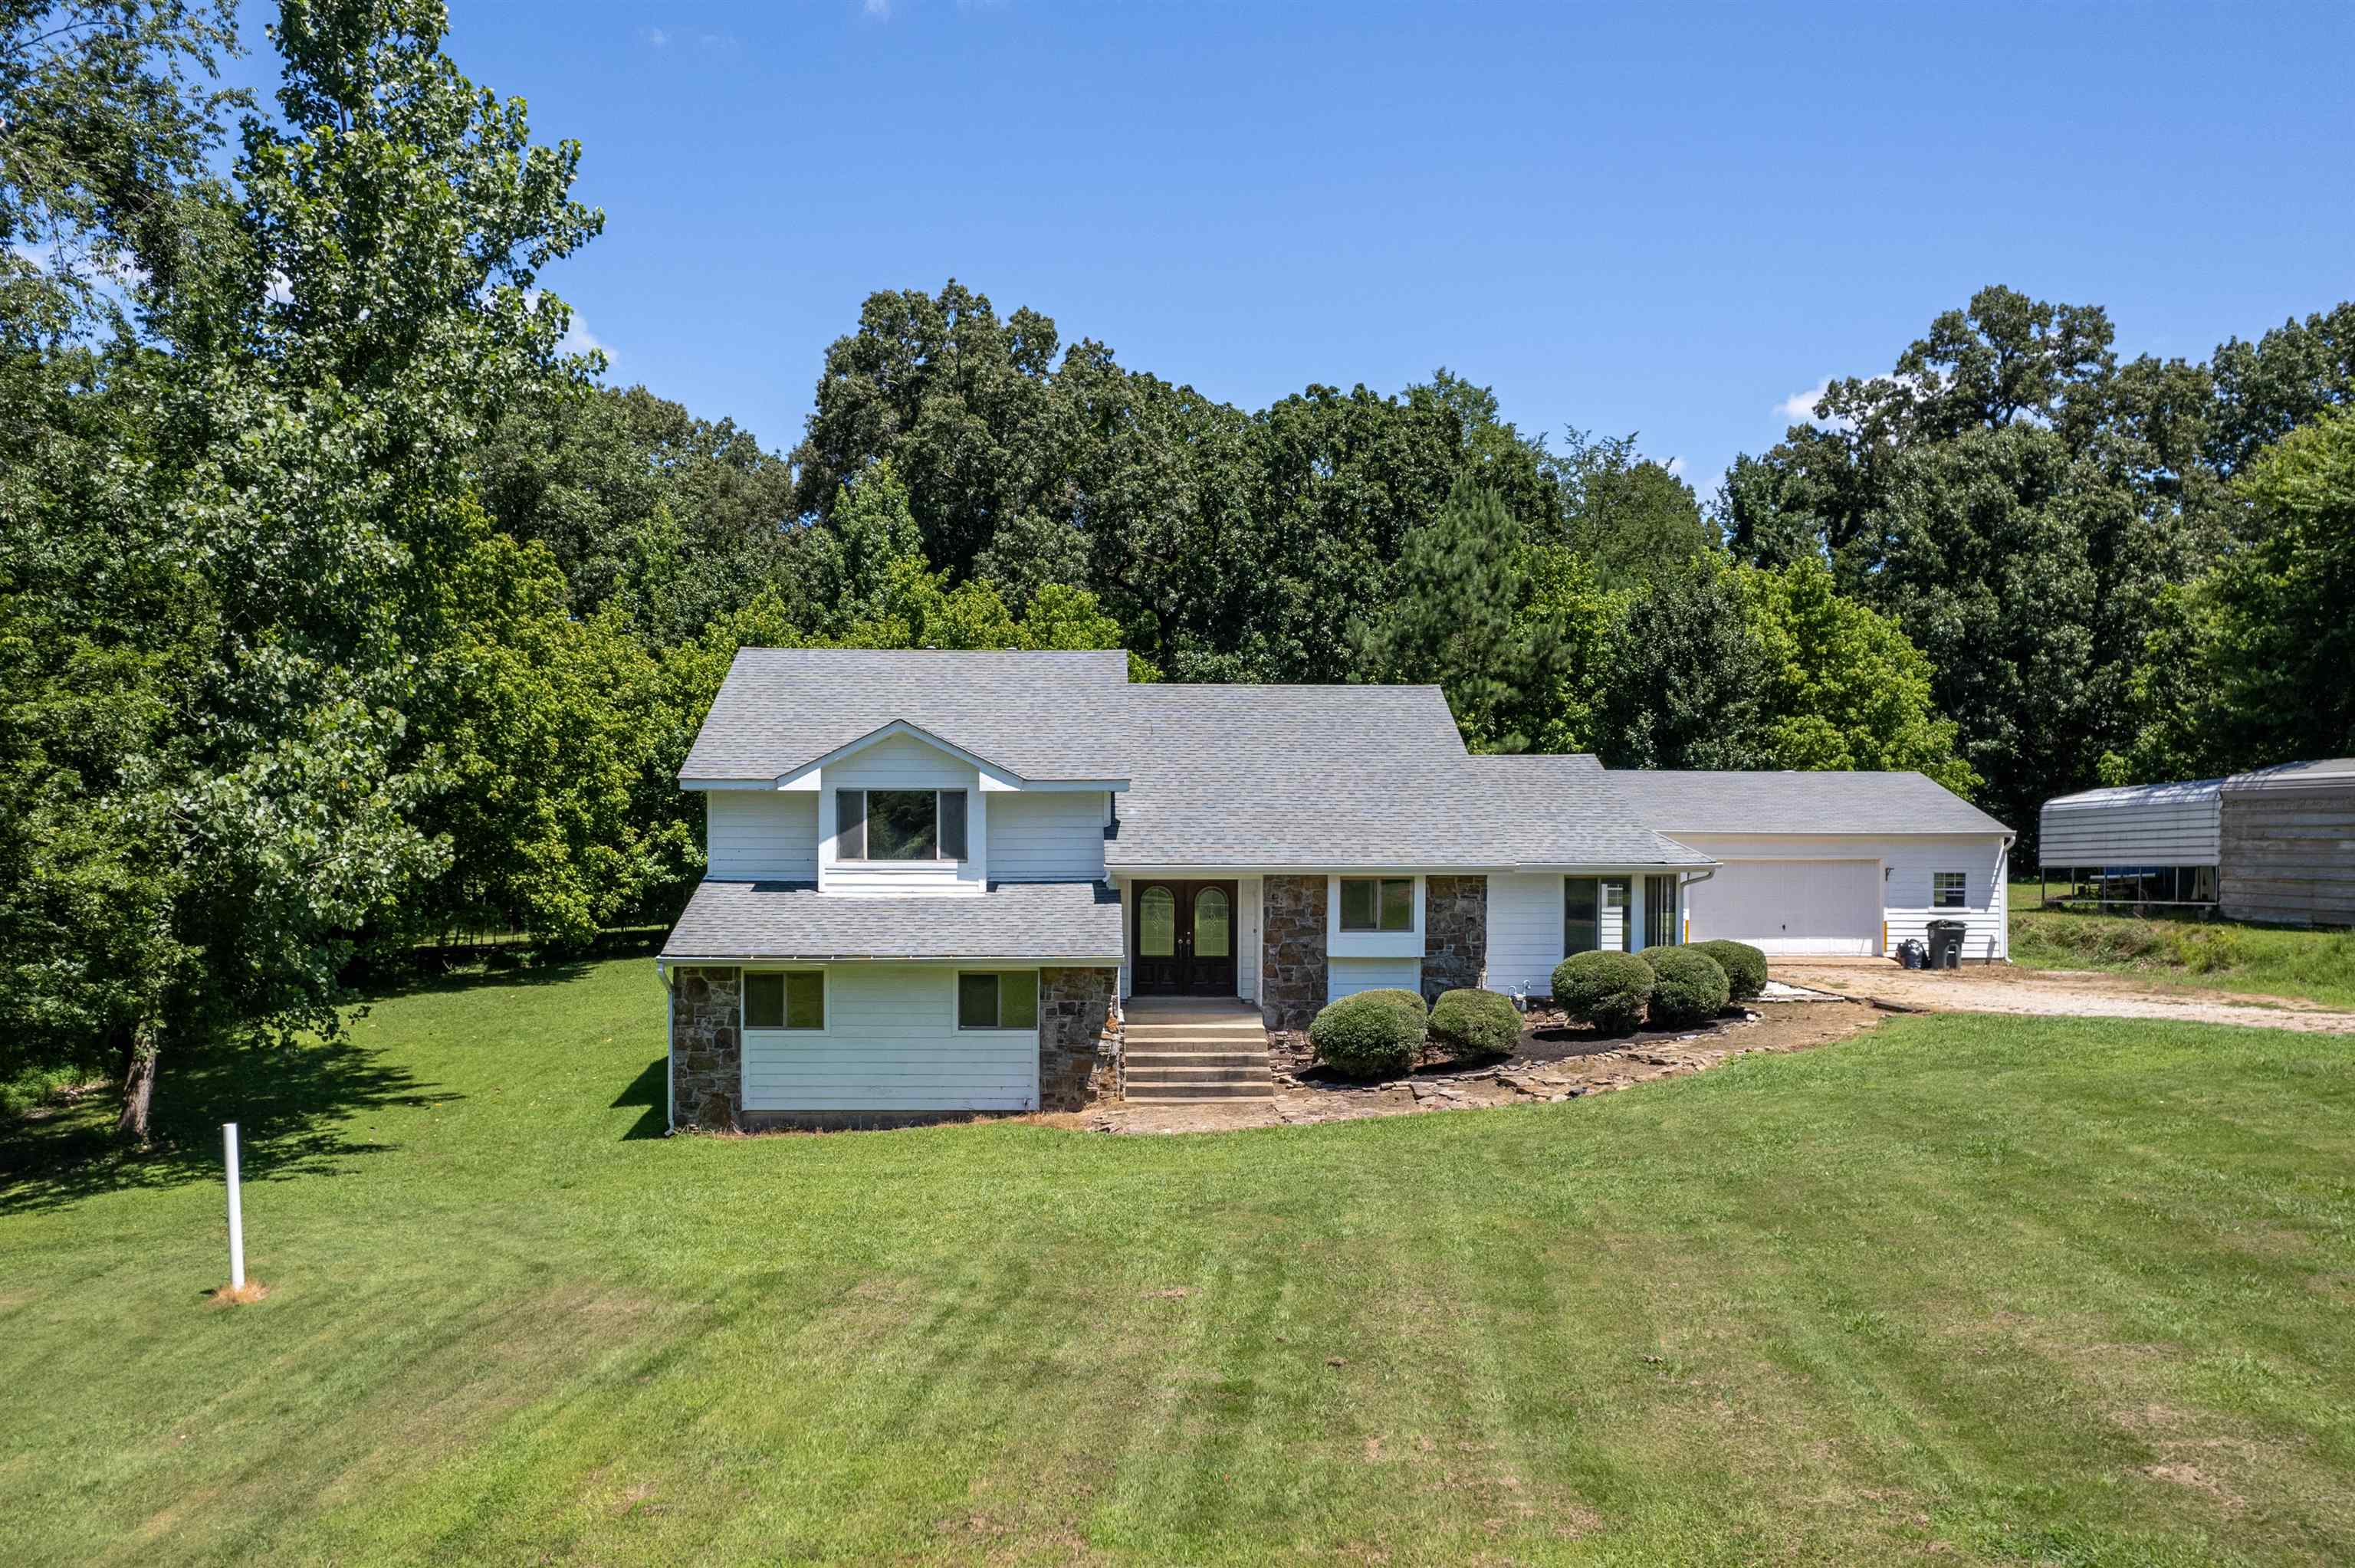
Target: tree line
[339, 606]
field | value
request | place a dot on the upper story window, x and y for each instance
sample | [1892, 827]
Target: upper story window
[900, 824]
[1378, 904]
[1948, 889]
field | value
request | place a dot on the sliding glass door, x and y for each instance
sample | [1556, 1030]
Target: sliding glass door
[1593, 914]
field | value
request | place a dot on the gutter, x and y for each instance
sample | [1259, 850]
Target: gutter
[1035, 960]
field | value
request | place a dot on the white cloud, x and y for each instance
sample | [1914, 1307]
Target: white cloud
[879, 9]
[654, 36]
[1675, 465]
[578, 339]
[1802, 405]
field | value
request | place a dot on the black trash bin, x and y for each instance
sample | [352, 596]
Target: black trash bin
[1946, 944]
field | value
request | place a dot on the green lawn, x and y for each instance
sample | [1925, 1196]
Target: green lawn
[2272, 961]
[2051, 1292]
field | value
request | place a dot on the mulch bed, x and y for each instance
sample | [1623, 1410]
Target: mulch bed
[1545, 1038]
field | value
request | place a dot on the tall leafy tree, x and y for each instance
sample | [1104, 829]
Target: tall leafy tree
[2019, 503]
[1687, 680]
[583, 471]
[1844, 688]
[1626, 514]
[2284, 642]
[961, 402]
[1457, 619]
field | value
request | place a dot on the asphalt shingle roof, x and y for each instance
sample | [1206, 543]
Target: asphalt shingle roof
[1353, 775]
[1036, 715]
[1738, 802]
[1072, 920]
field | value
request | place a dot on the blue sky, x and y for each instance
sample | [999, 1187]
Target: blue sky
[1669, 220]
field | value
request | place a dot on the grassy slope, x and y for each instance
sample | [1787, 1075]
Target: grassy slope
[2217, 956]
[2051, 1291]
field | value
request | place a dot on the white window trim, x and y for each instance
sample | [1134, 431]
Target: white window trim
[825, 1002]
[956, 1009]
[1962, 898]
[935, 791]
[1414, 905]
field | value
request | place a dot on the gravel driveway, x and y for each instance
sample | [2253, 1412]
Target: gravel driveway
[2055, 994]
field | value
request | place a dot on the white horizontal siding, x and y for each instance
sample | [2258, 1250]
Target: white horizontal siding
[899, 762]
[764, 834]
[891, 1043]
[1346, 977]
[1525, 929]
[1251, 892]
[1045, 835]
[2178, 831]
[1907, 863]
[1524, 932]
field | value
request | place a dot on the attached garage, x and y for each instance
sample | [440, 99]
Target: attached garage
[1791, 907]
[1832, 865]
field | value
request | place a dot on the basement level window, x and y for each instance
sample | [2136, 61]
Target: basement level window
[1009, 1000]
[794, 999]
[1947, 889]
[1378, 904]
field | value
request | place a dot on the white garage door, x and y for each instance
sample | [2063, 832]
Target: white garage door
[1792, 906]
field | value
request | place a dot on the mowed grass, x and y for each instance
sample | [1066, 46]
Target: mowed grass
[2039, 1291]
[2214, 955]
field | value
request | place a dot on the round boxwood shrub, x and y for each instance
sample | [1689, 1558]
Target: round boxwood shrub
[1474, 1024]
[1688, 988]
[1370, 1034]
[1606, 989]
[1744, 967]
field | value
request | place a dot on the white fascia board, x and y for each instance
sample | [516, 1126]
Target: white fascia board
[994, 777]
[1021, 961]
[687, 783]
[1261, 868]
[1220, 873]
[1618, 868]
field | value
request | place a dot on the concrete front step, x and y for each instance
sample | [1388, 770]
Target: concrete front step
[1217, 1031]
[1148, 1080]
[1175, 1095]
[1197, 1058]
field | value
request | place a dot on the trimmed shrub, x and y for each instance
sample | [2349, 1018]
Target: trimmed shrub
[1688, 988]
[1744, 967]
[1605, 989]
[1369, 1034]
[1474, 1024]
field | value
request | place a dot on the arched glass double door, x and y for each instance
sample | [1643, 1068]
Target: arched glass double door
[1181, 938]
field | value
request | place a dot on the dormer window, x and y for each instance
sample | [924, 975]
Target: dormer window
[900, 824]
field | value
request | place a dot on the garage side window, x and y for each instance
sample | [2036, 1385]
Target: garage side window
[792, 1000]
[1948, 889]
[1006, 1001]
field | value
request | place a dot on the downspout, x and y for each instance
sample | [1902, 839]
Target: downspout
[2003, 886]
[670, 1048]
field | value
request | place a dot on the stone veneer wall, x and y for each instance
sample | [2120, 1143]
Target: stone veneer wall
[1079, 1043]
[1291, 981]
[705, 1059]
[1079, 1052]
[1454, 933]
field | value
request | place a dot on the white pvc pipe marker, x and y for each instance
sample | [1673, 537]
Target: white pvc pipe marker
[236, 1212]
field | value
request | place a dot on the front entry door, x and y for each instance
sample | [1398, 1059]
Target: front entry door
[1181, 939]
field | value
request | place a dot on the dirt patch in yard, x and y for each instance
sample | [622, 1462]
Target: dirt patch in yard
[2056, 993]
